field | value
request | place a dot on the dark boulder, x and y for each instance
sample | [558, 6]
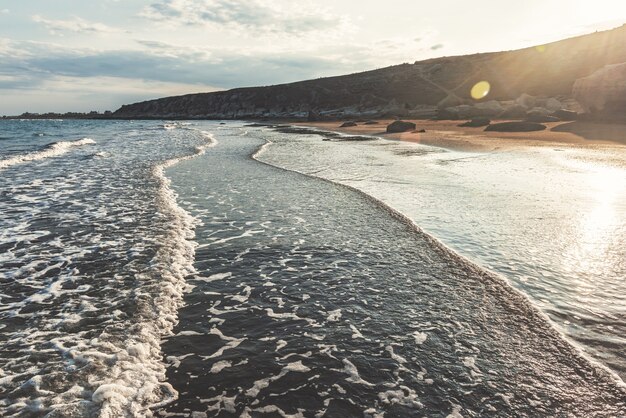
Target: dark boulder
[348, 124]
[400, 126]
[516, 127]
[371, 122]
[566, 115]
[476, 123]
[539, 117]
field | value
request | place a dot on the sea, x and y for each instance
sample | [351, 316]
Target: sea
[206, 268]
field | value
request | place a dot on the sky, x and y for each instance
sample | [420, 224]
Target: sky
[70, 55]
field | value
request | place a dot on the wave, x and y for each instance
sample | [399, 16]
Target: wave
[175, 125]
[137, 384]
[520, 299]
[52, 150]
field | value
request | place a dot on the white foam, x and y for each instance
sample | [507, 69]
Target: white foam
[242, 298]
[420, 337]
[296, 367]
[220, 365]
[268, 409]
[221, 402]
[355, 332]
[53, 150]
[229, 346]
[334, 316]
[395, 356]
[353, 373]
[456, 412]
[215, 277]
[404, 396]
[135, 381]
[288, 315]
[187, 333]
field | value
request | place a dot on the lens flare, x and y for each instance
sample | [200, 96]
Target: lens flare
[541, 48]
[480, 90]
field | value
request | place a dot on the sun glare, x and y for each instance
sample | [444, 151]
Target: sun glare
[605, 188]
[480, 90]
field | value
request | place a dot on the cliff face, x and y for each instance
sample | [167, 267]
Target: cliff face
[407, 89]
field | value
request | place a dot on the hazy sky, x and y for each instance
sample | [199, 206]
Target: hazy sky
[67, 55]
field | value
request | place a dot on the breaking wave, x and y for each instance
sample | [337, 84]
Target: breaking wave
[52, 150]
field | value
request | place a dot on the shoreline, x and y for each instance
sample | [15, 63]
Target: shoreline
[447, 134]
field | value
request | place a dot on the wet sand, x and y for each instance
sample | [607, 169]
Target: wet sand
[447, 134]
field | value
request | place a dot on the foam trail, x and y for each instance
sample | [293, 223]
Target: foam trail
[136, 382]
[53, 150]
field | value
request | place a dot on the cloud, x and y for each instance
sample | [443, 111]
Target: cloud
[436, 47]
[39, 77]
[28, 65]
[29, 68]
[4, 11]
[254, 15]
[75, 24]
[65, 94]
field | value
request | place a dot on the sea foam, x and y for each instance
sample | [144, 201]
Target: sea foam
[136, 382]
[52, 150]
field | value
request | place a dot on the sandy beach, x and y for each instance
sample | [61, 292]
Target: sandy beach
[447, 134]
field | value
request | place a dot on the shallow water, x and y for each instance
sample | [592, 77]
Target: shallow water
[551, 221]
[312, 299]
[92, 263]
[136, 280]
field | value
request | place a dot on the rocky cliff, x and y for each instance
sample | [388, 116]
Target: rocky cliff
[408, 89]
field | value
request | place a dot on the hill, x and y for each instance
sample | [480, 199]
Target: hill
[408, 89]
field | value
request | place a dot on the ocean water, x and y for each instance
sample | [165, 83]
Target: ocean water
[551, 221]
[191, 269]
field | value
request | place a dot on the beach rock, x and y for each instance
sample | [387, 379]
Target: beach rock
[393, 108]
[460, 112]
[553, 105]
[539, 117]
[419, 131]
[515, 127]
[370, 122]
[603, 93]
[447, 114]
[450, 101]
[313, 116]
[566, 115]
[400, 126]
[466, 111]
[515, 111]
[423, 112]
[348, 124]
[476, 123]
[491, 108]
[538, 110]
[526, 100]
